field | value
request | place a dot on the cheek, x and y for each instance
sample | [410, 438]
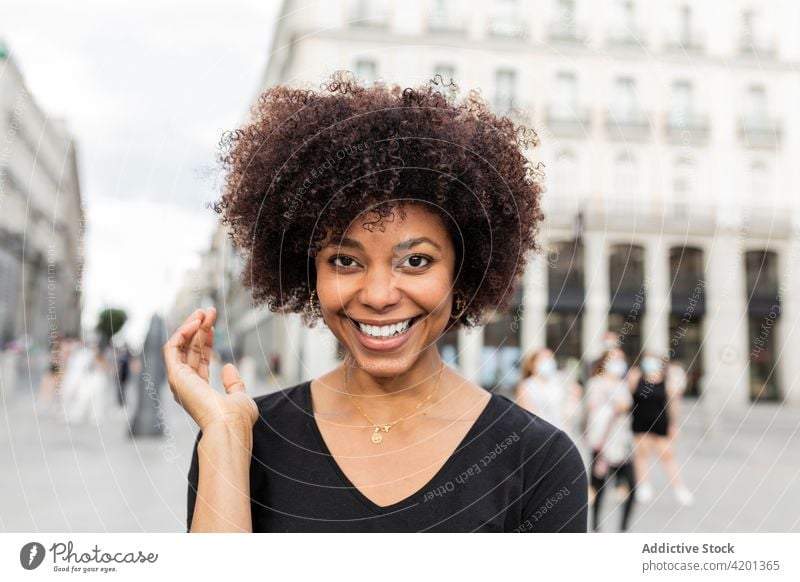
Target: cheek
[334, 292]
[429, 292]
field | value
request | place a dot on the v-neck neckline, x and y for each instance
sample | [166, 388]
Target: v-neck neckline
[476, 427]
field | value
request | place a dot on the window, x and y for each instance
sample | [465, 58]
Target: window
[624, 21]
[445, 15]
[624, 105]
[506, 19]
[505, 89]
[448, 72]
[565, 185]
[626, 177]
[566, 96]
[755, 106]
[748, 28]
[685, 25]
[371, 12]
[759, 182]
[682, 97]
[682, 189]
[565, 14]
[366, 71]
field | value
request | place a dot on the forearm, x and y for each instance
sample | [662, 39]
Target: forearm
[223, 488]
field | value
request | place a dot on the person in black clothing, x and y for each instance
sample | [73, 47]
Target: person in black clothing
[372, 209]
[654, 418]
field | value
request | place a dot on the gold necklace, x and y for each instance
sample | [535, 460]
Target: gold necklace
[376, 436]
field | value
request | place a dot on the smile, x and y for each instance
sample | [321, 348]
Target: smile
[384, 331]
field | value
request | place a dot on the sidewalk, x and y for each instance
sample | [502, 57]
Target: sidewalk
[58, 477]
[743, 472]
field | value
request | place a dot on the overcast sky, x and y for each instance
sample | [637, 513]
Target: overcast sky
[146, 87]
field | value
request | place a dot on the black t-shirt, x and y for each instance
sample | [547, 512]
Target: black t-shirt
[513, 471]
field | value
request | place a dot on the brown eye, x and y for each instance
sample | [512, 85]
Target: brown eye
[347, 261]
[417, 261]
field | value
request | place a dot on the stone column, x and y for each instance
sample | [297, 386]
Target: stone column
[658, 300]
[533, 330]
[726, 378]
[470, 343]
[788, 333]
[596, 302]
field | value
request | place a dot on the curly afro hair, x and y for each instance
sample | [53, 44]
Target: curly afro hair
[309, 162]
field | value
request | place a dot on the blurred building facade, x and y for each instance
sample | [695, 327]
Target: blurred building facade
[41, 219]
[667, 137]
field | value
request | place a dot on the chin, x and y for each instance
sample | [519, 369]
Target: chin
[386, 366]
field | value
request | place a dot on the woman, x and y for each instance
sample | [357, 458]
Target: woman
[544, 392]
[655, 413]
[393, 216]
[609, 434]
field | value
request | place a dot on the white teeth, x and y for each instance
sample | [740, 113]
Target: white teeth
[384, 330]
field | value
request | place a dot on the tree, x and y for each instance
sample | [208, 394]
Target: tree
[109, 322]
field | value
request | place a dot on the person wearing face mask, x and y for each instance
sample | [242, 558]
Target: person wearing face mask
[544, 391]
[654, 426]
[609, 435]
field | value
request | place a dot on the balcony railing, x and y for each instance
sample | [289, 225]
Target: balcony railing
[772, 220]
[687, 129]
[760, 133]
[370, 15]
[507, 26]
[449, 21]
[566, 32]
[568, 121]
[626, 39]
[627, 125]
[629, 213]
[692, 43]
[756, 48]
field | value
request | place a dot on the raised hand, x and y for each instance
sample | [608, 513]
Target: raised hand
[187, 355]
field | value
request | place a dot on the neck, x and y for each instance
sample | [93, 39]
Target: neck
[385, 397]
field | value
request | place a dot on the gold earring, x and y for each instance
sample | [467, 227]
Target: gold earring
[461, 306]
[315, 311]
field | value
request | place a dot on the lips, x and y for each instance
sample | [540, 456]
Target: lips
[383, 343]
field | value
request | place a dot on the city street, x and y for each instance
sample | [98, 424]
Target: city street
[59, 477]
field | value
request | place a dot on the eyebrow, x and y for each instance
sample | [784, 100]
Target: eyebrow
[352, 243]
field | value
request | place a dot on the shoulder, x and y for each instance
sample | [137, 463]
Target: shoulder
[552, 473]
[538, 437]
[283, 407]
[283, 400]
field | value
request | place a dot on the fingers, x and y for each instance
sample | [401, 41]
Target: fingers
[231, 379]
[199, 350]
[207, 340]
[174, 349]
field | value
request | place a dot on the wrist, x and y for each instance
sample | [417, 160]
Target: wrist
[238, 433]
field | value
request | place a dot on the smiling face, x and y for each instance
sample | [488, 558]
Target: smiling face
[387, 295]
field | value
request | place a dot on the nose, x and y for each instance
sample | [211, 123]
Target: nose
[379, 290]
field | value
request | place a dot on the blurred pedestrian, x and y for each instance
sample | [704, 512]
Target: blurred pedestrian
[609, 435]
[655, 417]
[86, 388]
[47, 395]
[546, 393]
[123, 356]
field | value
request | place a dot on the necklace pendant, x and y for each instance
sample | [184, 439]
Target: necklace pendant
[386, 427]
[376, 436]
